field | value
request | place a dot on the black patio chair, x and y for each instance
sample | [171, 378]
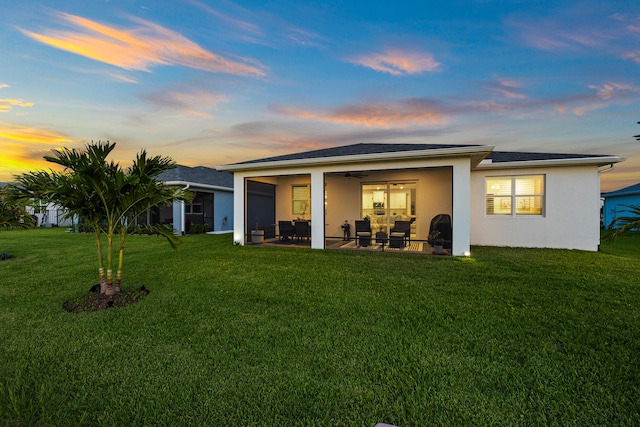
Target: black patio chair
[403, 227]
[286, 230]
[363, 226]
[302, 230]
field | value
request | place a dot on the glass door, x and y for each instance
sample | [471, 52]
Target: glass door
[375, 206]
[386, 202]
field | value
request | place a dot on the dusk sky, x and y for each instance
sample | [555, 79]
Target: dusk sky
[217, 82]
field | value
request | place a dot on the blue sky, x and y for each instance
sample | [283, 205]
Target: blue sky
[216, 82]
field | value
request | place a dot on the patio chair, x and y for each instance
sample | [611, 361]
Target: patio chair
[362, 226]
[286, 230]
[302, 230]
[402, 227]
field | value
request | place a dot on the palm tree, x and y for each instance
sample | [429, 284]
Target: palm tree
[136, 191]
[105, 196]
[625, 223]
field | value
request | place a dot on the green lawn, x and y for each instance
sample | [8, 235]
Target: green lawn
[252, 336]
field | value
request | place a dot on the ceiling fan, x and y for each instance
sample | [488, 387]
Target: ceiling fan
[358, 175]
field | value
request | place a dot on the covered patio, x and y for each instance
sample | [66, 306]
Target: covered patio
[359, 200]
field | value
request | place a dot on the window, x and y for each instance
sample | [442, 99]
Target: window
[194, 208]
[196, 205]
[515, 195]
[299, 199]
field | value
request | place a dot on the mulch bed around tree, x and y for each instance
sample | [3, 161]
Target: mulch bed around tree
[98, 301]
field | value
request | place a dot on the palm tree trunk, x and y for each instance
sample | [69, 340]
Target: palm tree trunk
[103, 279]
[109, 291]
[120, 261]
[109, 288]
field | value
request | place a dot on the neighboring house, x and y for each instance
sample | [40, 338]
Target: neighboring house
[616, 203]
[212, 203]
[493, 198]
[47, 214]
[50, 215]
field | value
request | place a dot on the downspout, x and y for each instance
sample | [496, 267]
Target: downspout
[611, 166]
[183, 229]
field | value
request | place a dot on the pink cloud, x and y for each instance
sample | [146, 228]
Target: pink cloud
[407, 112]
[398, 62]
[140, 48]
[633, 56]
[411, 113]
[508, 88]
[582, 29]
[192, 101]
[547, 37]
[611, 90]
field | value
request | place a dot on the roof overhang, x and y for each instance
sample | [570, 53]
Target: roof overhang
[197, 185]
[578, 161]
[476, 153]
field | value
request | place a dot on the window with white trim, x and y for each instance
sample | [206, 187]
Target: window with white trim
[300, 199]
[517, 195]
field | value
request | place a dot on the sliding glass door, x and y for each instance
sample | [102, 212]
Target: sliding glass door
[386, 202]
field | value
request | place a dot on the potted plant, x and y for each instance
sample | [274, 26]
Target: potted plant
[436, 241]
[257, 236]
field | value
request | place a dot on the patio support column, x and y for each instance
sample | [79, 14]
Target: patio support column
[239, 207]
[178, 217]
[461, 221]
[317, 210]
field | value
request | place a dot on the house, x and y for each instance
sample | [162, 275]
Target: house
[50, 215]
[212, 204]
[616, 203]
[494, 198]
[47, 214]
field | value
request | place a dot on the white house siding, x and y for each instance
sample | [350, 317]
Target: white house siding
[571, 217]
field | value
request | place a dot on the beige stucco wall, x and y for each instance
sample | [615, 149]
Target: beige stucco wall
[344, 202]
[572, 211]
[433, 196]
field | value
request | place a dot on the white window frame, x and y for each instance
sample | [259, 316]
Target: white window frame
[300, 206]
[510, 201]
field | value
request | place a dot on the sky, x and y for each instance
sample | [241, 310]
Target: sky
[209, 83]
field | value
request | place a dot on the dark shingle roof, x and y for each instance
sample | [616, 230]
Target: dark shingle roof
[198, 175]
[354, 150]
[630, 190]
[516, 156]
[362, 149]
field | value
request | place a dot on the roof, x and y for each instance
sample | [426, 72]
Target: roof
[354, 150]
[626, 191]
[518, 156]
[377, 152]
[363, 153]
[197, 175]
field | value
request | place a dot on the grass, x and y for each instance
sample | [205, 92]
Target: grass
[253, 336]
